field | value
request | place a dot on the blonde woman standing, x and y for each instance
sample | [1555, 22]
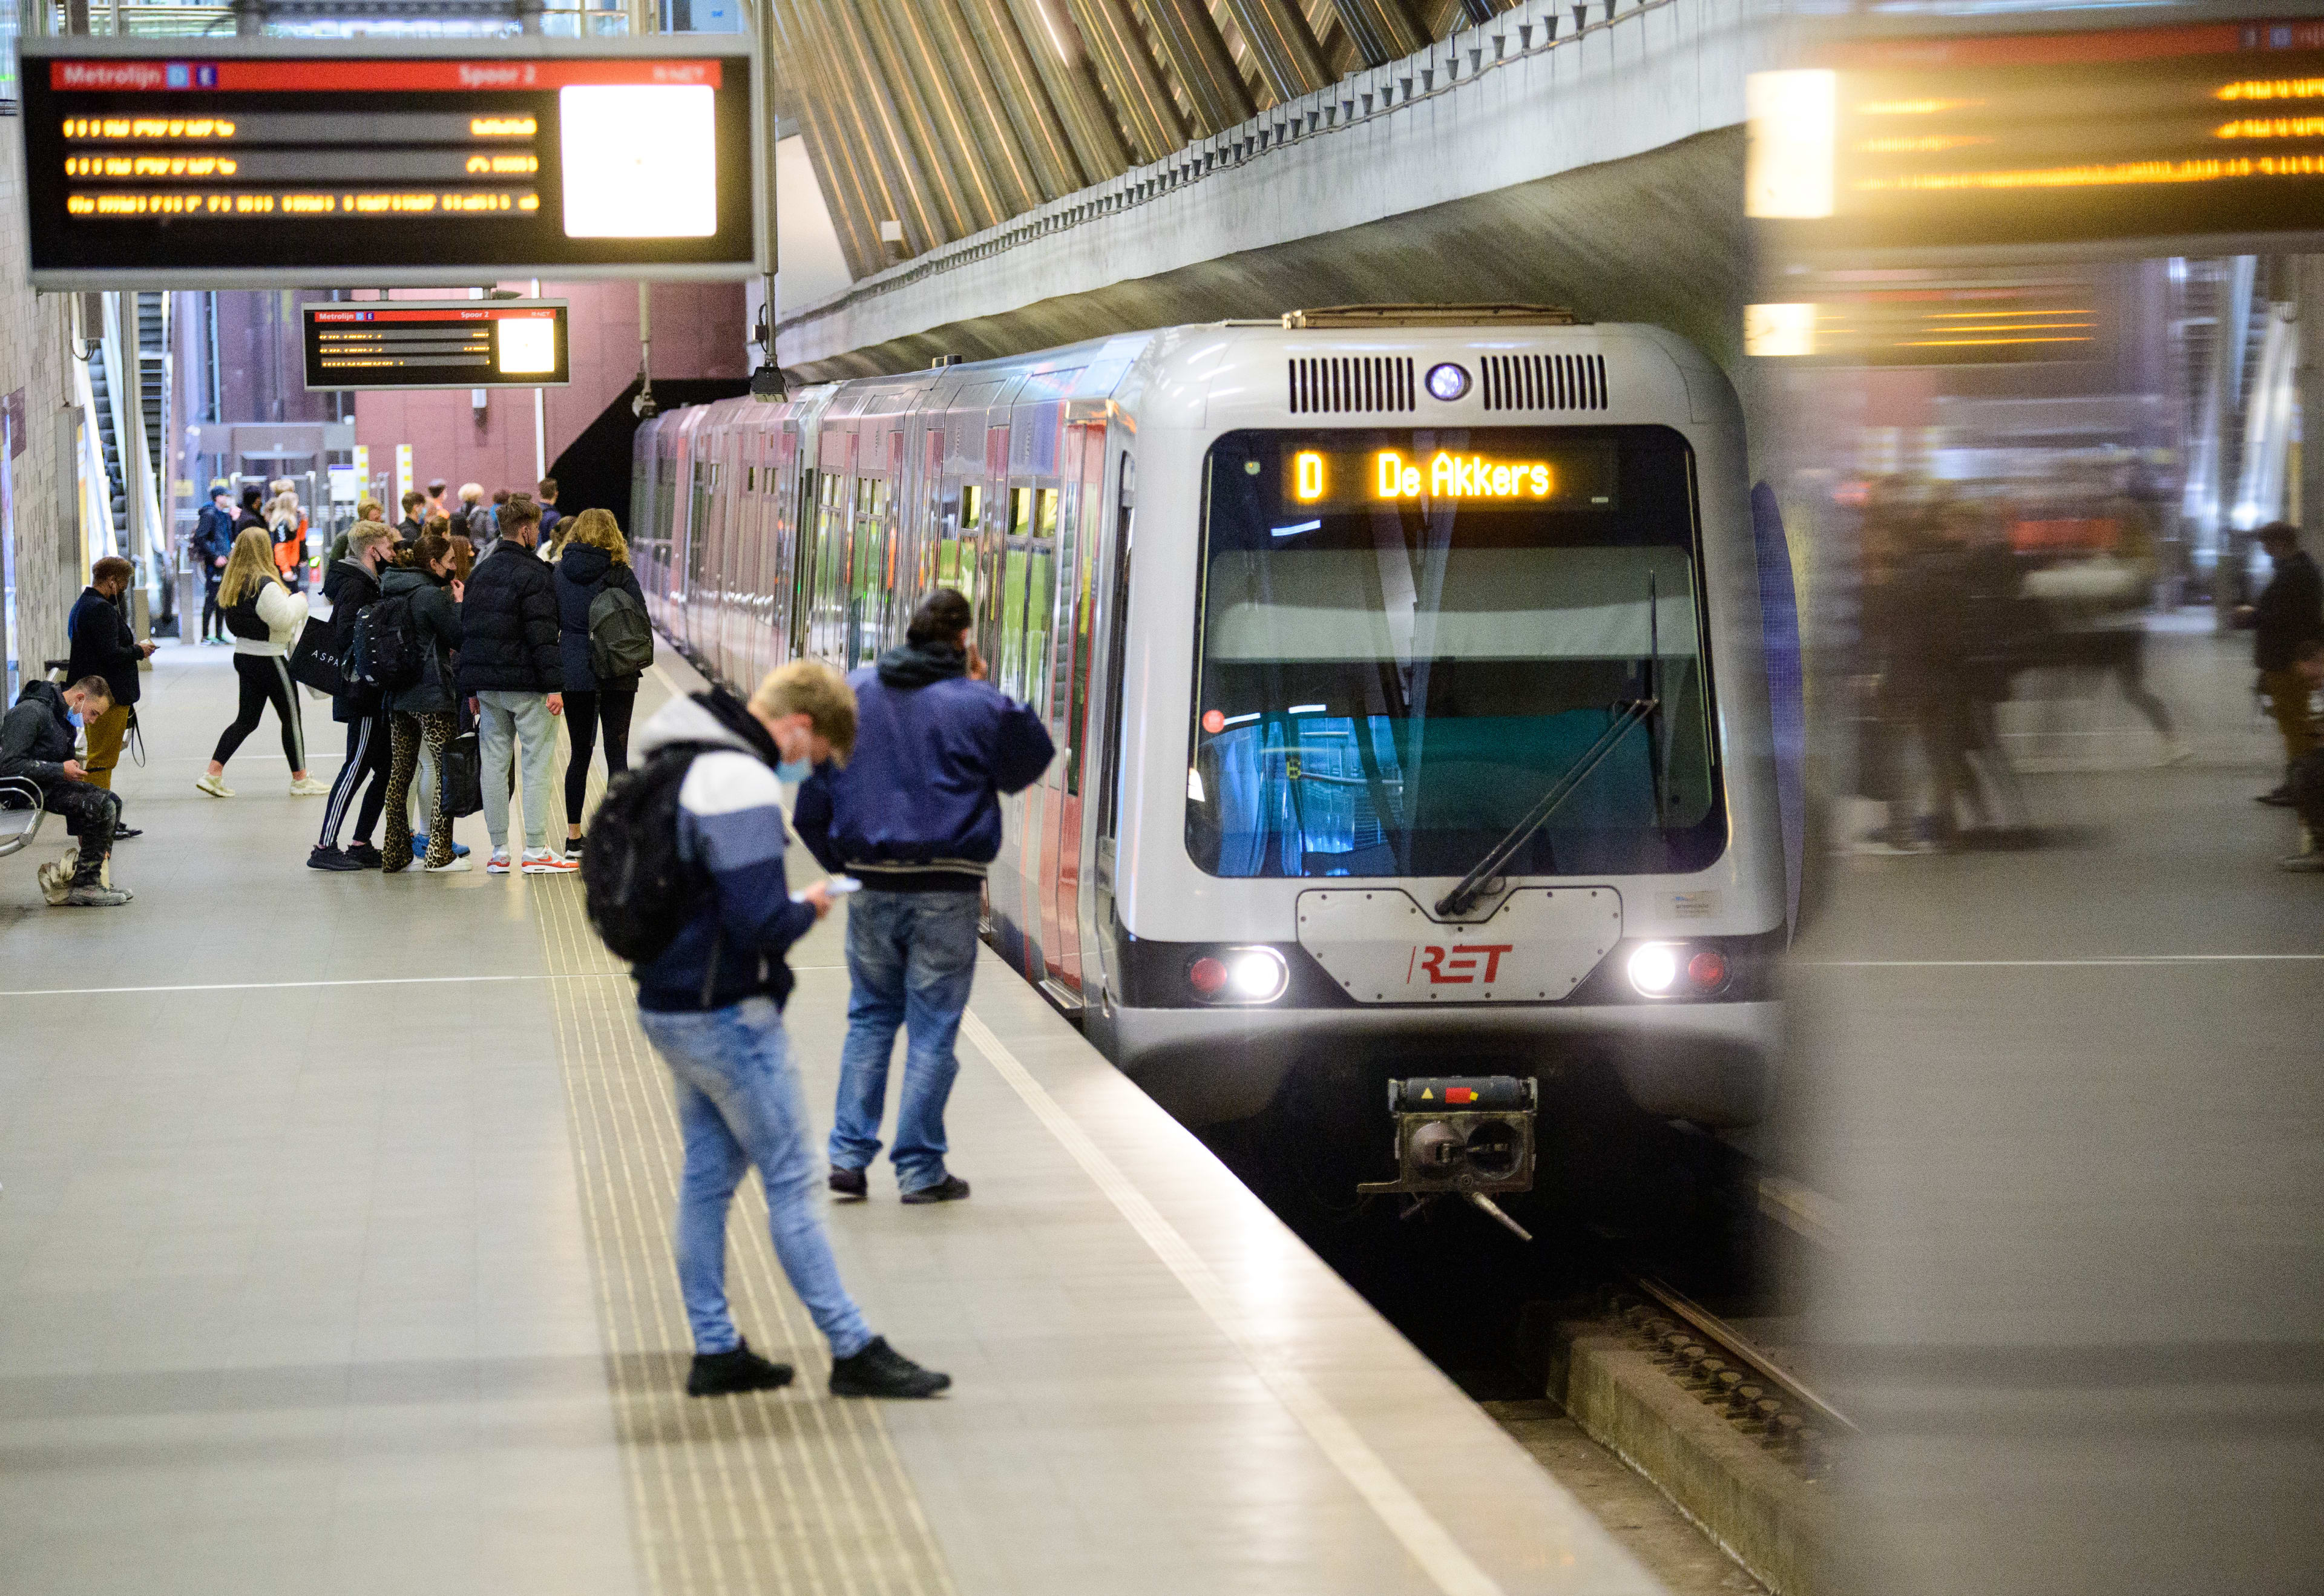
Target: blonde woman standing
[265, 618]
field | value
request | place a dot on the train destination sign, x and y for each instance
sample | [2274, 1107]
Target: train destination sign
[238, 162]
[437, 344]
[1481, 471]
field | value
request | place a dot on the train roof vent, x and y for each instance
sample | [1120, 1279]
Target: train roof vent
[1543, 382]
[1359, 317]
[1336, 383]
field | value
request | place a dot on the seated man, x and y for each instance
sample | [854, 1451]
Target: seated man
[36, 742]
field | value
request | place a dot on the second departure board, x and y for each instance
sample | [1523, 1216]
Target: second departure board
[436, 343]
[182, 162]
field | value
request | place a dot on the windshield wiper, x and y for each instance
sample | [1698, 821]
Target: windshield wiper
[1457, 901]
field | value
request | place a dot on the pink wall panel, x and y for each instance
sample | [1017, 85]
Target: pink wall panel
[699, 332]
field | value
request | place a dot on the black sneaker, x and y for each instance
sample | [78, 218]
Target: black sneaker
[122, 834]
[849, 1183]
[365, 855]
[723, 1374]
[952, 1188]
[331, 859]
[881, 1371]
[573, 847]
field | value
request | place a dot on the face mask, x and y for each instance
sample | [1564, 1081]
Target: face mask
[74, 716]
[794, 771]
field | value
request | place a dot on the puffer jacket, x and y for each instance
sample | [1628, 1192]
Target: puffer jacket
[508, 625]
[436, 626]
[36, 737]
[102, 645]
[351, 590]
[583, 572]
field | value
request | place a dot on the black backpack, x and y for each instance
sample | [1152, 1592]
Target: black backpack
[639, 892]
[621, 638]
[386, 651]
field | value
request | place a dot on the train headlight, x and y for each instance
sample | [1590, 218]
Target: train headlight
[1654, 969]
[1240, 976]
[1447, 382]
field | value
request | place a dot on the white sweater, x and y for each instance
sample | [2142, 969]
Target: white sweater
[285, 615]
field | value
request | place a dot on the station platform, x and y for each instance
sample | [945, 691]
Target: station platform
[334, 1258]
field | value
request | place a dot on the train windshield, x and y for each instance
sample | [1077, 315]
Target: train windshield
[1407, 638]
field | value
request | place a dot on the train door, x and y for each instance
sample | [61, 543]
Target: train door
[807, 523]
[1081, 471]
[1107, 728]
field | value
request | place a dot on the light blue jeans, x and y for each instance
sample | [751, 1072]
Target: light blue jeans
[521, 717]
[739, 1104]
[911, 958]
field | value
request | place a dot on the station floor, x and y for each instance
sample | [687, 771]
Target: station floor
[334, 1258]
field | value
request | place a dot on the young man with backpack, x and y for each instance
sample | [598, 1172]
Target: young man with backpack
[212, 541]
[684, 877]
[915, 816]
[605, 642]
[351, 587]
[511, 664]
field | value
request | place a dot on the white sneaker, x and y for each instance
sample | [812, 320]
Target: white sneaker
[456, 864]
[308, 787]
[217, 788]
[543, 862]
[498, 864]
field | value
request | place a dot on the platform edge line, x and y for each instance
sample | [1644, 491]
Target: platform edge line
[1429, 1544]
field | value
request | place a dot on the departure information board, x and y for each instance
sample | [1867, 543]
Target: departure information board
[263, 163]
[2198, 131]
[437, 344]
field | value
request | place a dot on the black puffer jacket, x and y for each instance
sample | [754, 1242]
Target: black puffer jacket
[583, 572]
[352, 590]
[35, 737]
[102, 645]
[508, 625]
[436, 626]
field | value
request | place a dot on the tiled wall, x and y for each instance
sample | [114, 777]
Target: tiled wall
[699, 332]
[34, 357]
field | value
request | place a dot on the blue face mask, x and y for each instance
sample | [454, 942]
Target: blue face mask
[794, 771]
[74, 716]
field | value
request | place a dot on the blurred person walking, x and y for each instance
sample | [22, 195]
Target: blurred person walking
[711, 989]
[104, 645]
[286, 525]
[36, 745]
[472, 499]
[512, 666]
[266, 619]
[604, 644]
[915, 815]
[2307, 781]
[351, 587]
[212, 542]
[2290, 612]
[422, 714]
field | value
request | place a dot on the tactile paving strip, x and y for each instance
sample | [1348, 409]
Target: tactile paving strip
[789, 1493]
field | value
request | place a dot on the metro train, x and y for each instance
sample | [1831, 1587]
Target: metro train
[1321, 614]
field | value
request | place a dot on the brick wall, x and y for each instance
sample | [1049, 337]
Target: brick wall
[699, 332]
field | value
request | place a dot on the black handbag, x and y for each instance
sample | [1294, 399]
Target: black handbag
[315, 661]
[460, 773]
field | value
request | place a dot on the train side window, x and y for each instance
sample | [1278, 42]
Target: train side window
[1013, 571]
[1041, 600]
[957, 554]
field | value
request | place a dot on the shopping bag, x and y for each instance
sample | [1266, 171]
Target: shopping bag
[460, 770]
[314, 662]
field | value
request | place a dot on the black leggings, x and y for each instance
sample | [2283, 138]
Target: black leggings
[608, 707]
[213, 617]
[265, 679]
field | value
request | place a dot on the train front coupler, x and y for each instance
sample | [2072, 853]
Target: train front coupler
[1470, 1137]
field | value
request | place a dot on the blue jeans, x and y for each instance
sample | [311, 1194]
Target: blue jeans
[738, 1104]
[911, 957]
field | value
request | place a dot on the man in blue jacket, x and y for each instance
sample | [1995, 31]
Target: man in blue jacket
[915, 815]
